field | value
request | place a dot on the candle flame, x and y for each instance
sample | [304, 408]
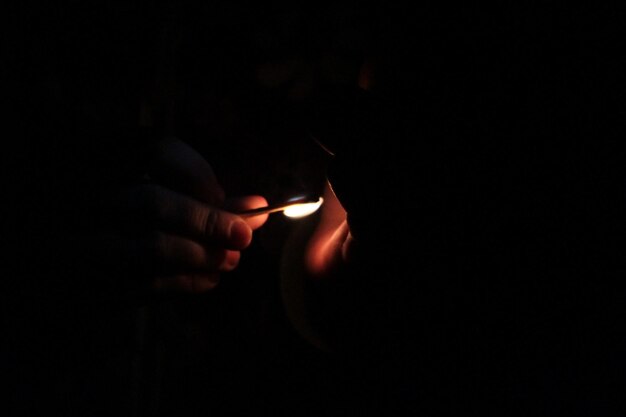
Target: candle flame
[303, 209]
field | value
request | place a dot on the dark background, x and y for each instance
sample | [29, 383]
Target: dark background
[228, 79]
[244, 86]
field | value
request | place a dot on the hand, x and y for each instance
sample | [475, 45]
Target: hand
[175, 230]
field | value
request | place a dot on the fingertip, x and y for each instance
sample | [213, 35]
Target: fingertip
[249, 203]
[240, 234]
[256, 201]
[231, 261]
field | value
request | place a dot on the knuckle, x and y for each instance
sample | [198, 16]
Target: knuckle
[230, 261]
[211, 222]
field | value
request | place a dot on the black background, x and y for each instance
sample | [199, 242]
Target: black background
[497, 133]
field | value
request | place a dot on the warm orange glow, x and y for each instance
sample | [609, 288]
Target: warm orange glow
[325, 248]
[304, 209]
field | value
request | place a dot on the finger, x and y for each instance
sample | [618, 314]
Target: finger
[231, 261]
[163, 252]
[186, 216]
[248, 203]
[192, 283]
[180, 167]
[158, 255]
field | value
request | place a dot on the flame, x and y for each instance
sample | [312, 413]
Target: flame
[303, 209]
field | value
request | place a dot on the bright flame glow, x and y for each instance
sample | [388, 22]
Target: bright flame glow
[304, 209]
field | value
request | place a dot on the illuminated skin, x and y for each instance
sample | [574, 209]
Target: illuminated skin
[331, 244]
[192, 236]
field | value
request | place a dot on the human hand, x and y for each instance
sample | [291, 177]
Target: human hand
[176, 230]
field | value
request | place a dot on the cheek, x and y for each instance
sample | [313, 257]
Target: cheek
[326, 252]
